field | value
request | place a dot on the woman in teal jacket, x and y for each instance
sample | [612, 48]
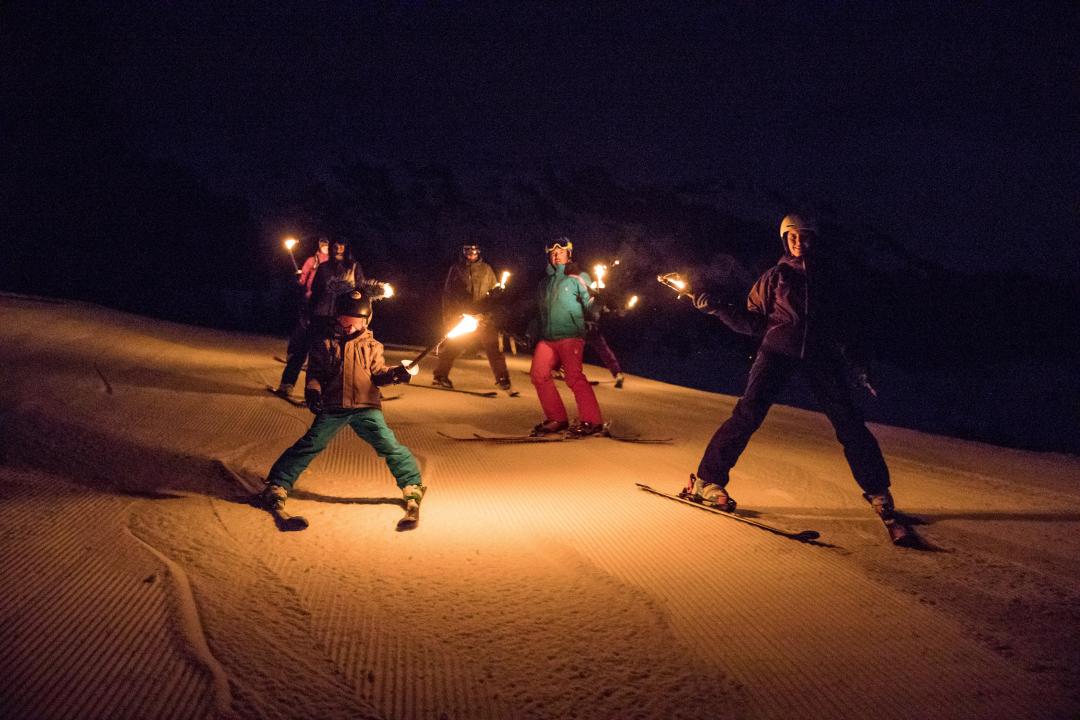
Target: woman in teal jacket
[565, 308]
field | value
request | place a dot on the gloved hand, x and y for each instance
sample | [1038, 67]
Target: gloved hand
[701, 301]
[313, 399]
[400, 374]
[861, 377]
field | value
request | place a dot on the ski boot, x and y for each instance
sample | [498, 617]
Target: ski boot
[549, 427]
[273, 498]
[882, 503]
[585, 429]
[706, 493]
[284, 390]
[412, 495]
[443, 382]
[619, 380]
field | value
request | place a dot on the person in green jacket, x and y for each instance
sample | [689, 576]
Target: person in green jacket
[565, 312]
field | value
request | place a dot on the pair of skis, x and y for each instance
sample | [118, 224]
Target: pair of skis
[900, 532]
[287, 522]
[554, 438]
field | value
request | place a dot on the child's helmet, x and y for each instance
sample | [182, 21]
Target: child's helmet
[354, 303]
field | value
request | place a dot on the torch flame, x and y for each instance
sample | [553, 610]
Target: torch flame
[502, 280]
[387, 290]
[290, 243]
[467, 325]
[632, 302]
[599, 271]
[672, 280]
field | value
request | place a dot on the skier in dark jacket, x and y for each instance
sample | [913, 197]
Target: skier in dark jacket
[296, 351]
[798, 308]
[469, 284]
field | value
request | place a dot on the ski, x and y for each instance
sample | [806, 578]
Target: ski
[805, 536]
[411, 518]
[285, 521]
[558, 437]
[286, 398]
[478, 393]
[288, 522]
[900, 533]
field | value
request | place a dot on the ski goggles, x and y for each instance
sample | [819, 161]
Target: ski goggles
[470, 249]
[559, 244]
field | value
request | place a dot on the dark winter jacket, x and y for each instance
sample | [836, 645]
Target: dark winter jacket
[467, 285]
[795, 306]
[565, 303]
[331, 280]
[347, 369]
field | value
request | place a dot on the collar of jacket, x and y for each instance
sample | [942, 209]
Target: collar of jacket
[556, 269]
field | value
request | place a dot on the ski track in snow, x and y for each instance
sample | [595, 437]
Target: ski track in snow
[540, 584]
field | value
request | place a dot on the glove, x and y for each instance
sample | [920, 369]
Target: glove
[861, 378]
[313, 399]
[701, 301]
[400, 374]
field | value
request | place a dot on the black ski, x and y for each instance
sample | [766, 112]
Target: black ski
[806, 536]
[478, 393]
[285, 521]
[410, 520]
[286, 398]
[556, 437]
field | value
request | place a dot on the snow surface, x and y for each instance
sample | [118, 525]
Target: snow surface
[540, 584]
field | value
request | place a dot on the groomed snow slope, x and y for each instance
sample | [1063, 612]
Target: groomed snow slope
[540, 584]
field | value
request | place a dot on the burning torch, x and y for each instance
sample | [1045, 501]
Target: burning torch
[290, 243]
[466, 325]
[676, 283]
[599, 271]
[502, 279]
[632, 302]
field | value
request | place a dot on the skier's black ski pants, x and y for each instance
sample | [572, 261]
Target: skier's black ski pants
[826, 378]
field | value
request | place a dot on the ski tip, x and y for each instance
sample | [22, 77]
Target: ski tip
[292, 523]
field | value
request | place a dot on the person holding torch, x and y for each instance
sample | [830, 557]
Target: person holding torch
[565, 309]
[799, 309]
[296, 350]
[346, 369]
[469, 288]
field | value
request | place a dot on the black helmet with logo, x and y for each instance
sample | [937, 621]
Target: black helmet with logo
[354, 303]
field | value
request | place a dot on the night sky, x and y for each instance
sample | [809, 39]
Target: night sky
[950, 126]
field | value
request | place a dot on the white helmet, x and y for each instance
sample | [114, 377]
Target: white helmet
[797, 222]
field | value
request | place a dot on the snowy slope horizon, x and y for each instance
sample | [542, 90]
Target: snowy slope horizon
[540, 583]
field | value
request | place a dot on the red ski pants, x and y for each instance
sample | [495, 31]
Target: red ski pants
[550, 354]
